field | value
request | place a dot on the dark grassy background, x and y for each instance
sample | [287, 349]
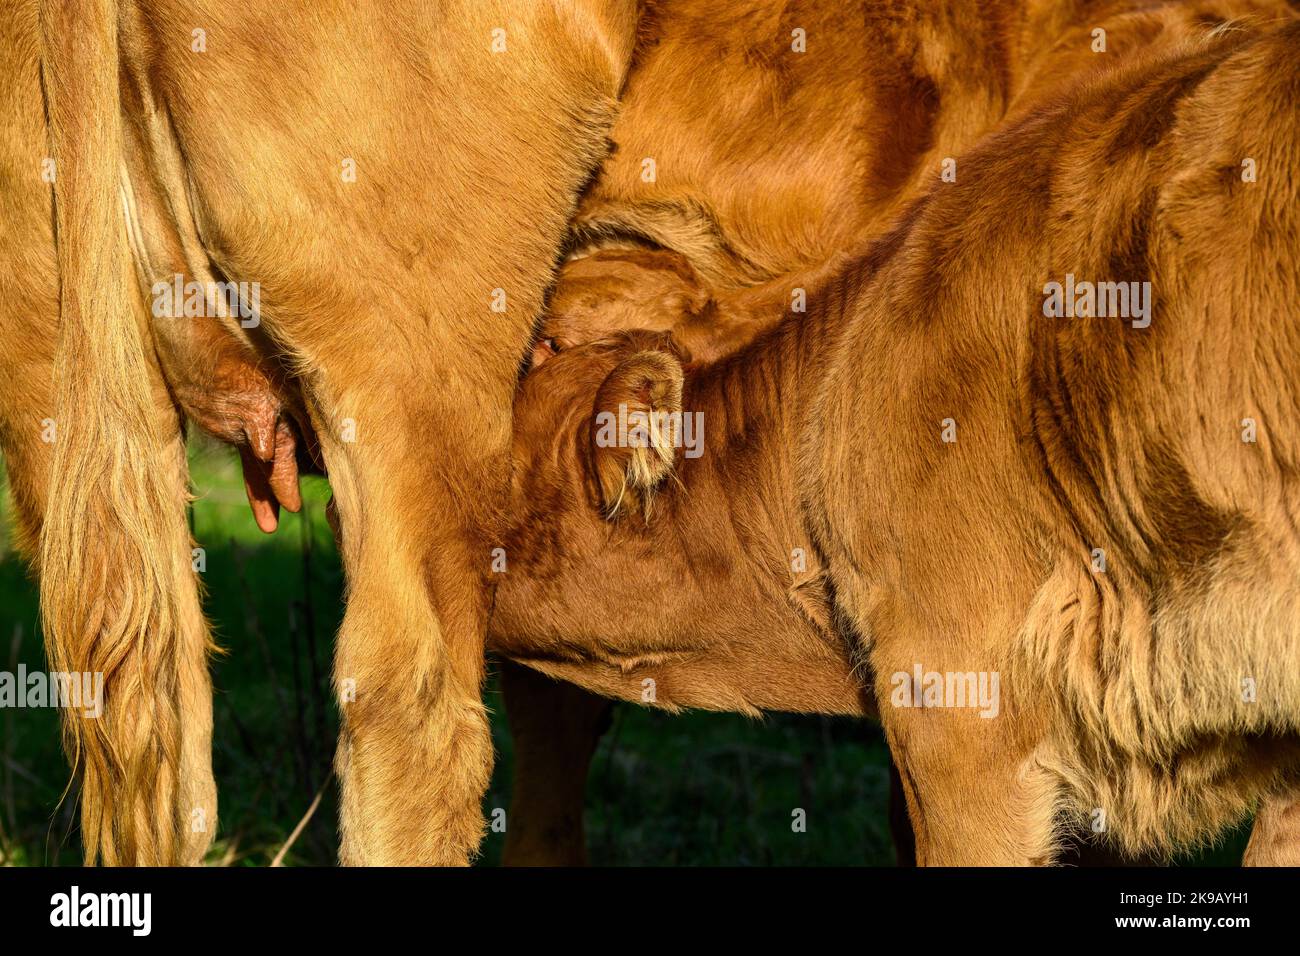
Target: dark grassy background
[702, 789]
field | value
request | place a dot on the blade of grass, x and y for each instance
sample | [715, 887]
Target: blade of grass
[306, 818]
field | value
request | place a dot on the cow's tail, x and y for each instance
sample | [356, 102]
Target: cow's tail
[119, 598]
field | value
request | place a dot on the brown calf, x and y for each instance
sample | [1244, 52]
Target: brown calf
[948, 454]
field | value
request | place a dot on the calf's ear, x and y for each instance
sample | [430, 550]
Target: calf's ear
[636, 431]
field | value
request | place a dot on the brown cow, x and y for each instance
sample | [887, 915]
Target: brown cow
[239, 164]
[914, 406]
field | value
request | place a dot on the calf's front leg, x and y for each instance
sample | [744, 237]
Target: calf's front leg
[556, 727]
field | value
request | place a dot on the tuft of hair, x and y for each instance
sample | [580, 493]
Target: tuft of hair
[645, 392]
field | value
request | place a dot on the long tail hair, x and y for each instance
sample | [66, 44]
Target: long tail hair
[119, 597]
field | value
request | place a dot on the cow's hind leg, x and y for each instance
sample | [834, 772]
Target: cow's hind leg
[414, 753]
[27, 426]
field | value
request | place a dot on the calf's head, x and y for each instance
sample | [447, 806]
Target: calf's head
[598, 429]
[627, 567]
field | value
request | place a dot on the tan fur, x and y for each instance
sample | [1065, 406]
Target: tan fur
[27, 408]
[658, 291]
[28, 280]
[711, 609]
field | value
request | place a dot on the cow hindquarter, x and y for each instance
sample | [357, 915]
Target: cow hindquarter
[396, 183]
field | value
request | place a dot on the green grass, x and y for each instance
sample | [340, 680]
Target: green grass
[697, 789]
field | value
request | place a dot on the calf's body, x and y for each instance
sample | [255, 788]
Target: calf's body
[954, 459]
